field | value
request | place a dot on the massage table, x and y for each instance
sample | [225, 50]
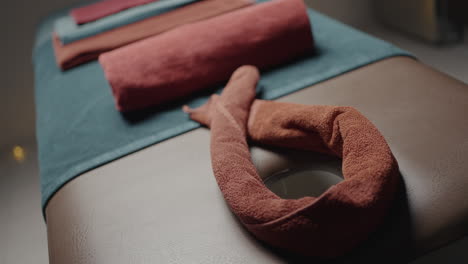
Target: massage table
[162, 204]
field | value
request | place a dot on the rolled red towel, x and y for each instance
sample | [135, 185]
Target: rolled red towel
[197, 56]
[102, 9]
[324, 226]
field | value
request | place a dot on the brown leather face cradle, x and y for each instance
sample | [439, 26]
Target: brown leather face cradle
[162, 204]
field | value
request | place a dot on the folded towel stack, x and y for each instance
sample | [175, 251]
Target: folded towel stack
[68, 31]
[203, 42]
[325, 226]
[88, 49]
[199, 55]
[103, 8]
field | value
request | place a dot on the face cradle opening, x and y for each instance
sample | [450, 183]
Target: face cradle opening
[293, 174]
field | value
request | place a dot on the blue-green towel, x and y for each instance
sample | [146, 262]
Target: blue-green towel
[68, 31]
[78, 127]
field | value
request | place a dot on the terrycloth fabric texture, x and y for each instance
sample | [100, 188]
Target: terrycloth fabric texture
[78, 128]
[88, 49]
[68, 31]
[324, 226]
[104, 8]
[197, 56]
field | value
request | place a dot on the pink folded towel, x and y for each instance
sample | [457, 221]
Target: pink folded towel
[200, 55]
[325, 226]
[102, 9]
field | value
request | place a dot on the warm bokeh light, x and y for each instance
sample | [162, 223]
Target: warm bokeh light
[19, 154]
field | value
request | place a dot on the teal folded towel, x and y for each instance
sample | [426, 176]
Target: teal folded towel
[68, 31]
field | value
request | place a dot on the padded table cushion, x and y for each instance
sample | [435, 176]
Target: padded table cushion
[162, 204]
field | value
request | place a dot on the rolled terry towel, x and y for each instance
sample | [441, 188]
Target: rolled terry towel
[200, 55]
[68, 31]
[88, 49]
[325, 226]
[102, 9]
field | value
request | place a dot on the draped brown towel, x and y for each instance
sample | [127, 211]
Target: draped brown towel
[324, 226]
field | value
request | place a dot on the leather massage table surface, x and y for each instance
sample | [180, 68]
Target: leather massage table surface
[162, 204]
